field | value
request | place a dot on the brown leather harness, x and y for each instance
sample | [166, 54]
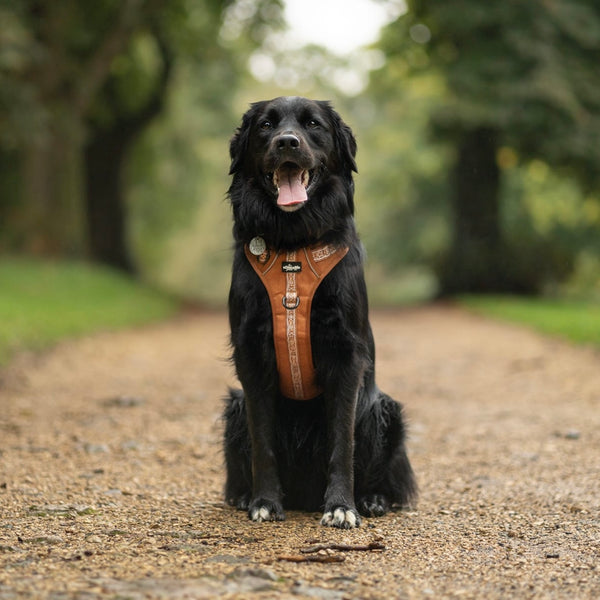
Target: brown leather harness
[291, 280]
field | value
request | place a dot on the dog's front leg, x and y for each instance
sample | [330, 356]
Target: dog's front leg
[340, 510]
[265, 504]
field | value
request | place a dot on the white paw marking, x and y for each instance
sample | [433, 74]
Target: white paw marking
[261, 514]
[346, 519]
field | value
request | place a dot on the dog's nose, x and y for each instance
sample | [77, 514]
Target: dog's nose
[287, 141]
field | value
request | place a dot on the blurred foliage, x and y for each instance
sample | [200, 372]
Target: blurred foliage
[401, 177]
[179, 218]
[528, 69]
[78, 84]
[173, 92]
[403, 211]
[526, 77]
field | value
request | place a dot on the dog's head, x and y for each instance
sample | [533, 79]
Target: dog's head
[291, 147]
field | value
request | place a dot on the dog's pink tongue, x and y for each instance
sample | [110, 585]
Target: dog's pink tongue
[291, 189]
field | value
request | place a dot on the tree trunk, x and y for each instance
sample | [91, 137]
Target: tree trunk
[106, 154]
[10, 194]
[478, 260]
[106, 208]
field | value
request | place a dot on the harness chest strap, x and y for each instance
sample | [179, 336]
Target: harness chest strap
[291, 280]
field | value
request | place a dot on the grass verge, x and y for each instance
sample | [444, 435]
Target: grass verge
[42, 302]
[576, 321]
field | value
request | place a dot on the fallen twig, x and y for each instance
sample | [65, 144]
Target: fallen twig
[319, 558]
[344, 547]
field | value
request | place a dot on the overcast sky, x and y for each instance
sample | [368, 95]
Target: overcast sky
[339, 25]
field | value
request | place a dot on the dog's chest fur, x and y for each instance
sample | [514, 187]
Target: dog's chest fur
[291, 280]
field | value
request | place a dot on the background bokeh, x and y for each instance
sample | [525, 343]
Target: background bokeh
[477, 125]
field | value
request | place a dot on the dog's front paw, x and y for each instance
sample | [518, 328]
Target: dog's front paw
[261, 510]
[342, 517]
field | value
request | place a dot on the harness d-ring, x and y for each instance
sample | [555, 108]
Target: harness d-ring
[285, 304]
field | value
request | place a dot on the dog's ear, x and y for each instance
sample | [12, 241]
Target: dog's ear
[344, 140]
[347, 143]
[238, 147]
[239, 144]
[347, 146]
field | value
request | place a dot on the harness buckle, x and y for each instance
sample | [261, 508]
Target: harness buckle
[288, 305]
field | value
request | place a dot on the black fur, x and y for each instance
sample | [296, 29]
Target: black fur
[344, 450]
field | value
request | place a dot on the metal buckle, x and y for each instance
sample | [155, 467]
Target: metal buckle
[288, 307]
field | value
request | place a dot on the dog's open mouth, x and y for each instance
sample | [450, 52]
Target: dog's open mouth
[291, 183]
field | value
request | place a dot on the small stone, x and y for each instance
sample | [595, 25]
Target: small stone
[94, 539]
[256, 572]
[96, 448]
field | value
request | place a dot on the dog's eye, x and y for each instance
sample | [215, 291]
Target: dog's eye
[266, 125]
[313, 124]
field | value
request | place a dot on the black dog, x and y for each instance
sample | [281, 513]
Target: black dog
[342, 450]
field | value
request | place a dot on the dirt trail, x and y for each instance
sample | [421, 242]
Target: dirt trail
[111, 472]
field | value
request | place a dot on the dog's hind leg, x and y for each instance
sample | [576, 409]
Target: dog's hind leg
[237, 447]
[383, 475]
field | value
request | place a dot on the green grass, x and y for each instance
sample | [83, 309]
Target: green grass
[42, 302]
[576, 321]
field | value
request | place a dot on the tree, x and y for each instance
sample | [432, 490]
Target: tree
[523, 75]
[113, 125]
[182, 38]
[63, 52]
[95, 75]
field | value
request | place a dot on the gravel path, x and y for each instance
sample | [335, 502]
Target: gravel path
[111, 472]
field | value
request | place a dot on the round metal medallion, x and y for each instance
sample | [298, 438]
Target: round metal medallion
[257, 246]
